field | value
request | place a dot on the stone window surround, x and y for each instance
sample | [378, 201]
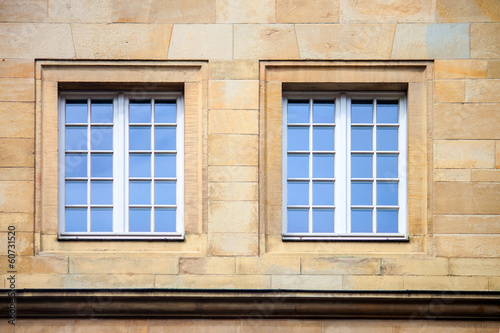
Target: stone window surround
[414, 77]
[191, 77]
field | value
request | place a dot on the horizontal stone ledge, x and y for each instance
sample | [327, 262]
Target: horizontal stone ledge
[265, 304]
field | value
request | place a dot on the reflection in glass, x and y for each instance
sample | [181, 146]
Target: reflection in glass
[298, 193]
[165, 219]
[76, 165]
[323, 165]
[387, 220]
[298, 138]
[361, 193]
[165, 138]
[323, 220]
[387, 112]
[140, 138]
[140, 165]
[101, 219]
[165, 192]
[76, 111]
[76, 219]
[101, 192]
[298, 220]
[323, 193]
[76, 138]
[298, 111]
[101, 137]
[165, 112]
[361, 138]
[324, 112]
[323, 138]
[140, 192]
[387, 166]
[298, 166]
[362, 112]
[101, 165]
[165, 165]
[387, 193]
[140, 219]
[361, 220]
[140, 112]
[387, 138]
[361, 165]
[76, 192]
[101, 111]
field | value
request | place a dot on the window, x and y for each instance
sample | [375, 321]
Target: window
[344, 165]
[121, 165]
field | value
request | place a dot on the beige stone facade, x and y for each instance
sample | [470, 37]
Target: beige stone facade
[233, 59]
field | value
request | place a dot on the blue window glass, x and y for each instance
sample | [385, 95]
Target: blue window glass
[101, 192]
[387, 193]
[323, 193]
[323, 220]
[361, 138]
[323, 138]
[298, 165]
[362, 112]
[101, 219]
[387, 220]
[140, 192]
[323, 112]
[76, 165]
[387, 138]
[361, 220]
[101, 138]
[298, 193]
[165, 112]
[76, 219]
[323, 165]
[165, 192]
[165, 138]
[76, 138]
[76, 112]
[101, 165]
[361, 193]
[387, 112]
[298, 138]
[76, 192]
[361, 165]
[165, 165]
[298, 220]
[140, 165]
[140, 112]
[101, 111]
[165, 219]
[140, 138]
[140, 219]
[387, 166]
[298, 111]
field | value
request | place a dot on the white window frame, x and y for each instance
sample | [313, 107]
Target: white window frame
[121, 170]
[342, 176]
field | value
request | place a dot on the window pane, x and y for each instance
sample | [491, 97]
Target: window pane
[387, 138]
[101, 219]
[361, 165]
[76, 112]
[298, 220]
[76, 219]
[361, 138]
[298, 193]
[140, 192]
[101, 192]
[165, 165]
[165, 112]
[361, 220]
[323, 220]
[298, 111]
[140, 165]
[101, 111]
[101, 165]
[165, 193]
[362, 112]
[140, 138]
[324, 112]
[323, 193]
[323, 138]
[323, 165]
[76, 192]
[165, 219]
[165, 138]
[387, 220]
[298, 166]
[387, 112]
[387, 166]
[76, 138]
[387, 193]
[76, 165]
[140, 112]
[361, 193]
[101, 137]
[298, 138]
[140, 219]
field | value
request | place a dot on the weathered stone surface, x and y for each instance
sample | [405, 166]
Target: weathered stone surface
[208, 265]
[233, 244]
[213, 282]
[268, 265]
[24, 241]
[22, 221]
[201, 41]
[224, 149]
[37, 265]
[218, 173]
[409, 42]
[482, 91]
[279, 326]
[485, 40]
[358, 282]
[460, 69]
[464, 154]
[467, 246]
[358, 325]
[17, 90]
[44, 326]
[449, 91]
[446, 283]
[17, 68]
[233, 216]
[341, 266]
[111, 326]
[467, 11]
[468, 266]
[186, 11]
[123, 265]
[307, 282]
[125, 11]
[466, 198]
[245, 11]
[100, 281]
[233, 122]
[23, 11]
[17, 120]
[497, 154]
[305, 11]
[233, 94]
[466, 224]
[232, 191]
[345, 41]
[410, 266]
[16, 196]
[387, 11]
[234, 70]
[17, 153]
[452, 175]
[493, 285]
[194, 326]
[494, 69]
[121, 41]
[485, 175]
[265, 41]
[78, 11]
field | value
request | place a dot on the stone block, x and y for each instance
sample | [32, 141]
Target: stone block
[124, 265]
[265, 41]
[233, 244]
[466, 121]
[17, 174]
[17, 90]
[485, 40]
[80, 11]
[466, 198]
[307, 282]
[202, 41]
[233, 122]
[387, 11]
[345, 41]
[482, 91]
[467, 246]
[358, 282]
[207, 266]
[121, 41]
[36, 265]
[355, 326]
[466, 224]
[259, 325]
[40, 281]
[415, 266]
[233, 94]
[268, 265]
[17, 67]
[217, 173]
[17, 196]
[103, 325]
[449, 91]
[452, 175]
[410, 42]
[45, 326]
[341, 266]
[125, 11]
[494, 69]
[467, 11]
[233, 216]
[194, 326]
[497, 154]
[16, 153]
[494, 285]
[234, 70]
[464, 154]
[232, 191]
[23, 11]
[111, 281]
[232, 149]
[432, 326]
[485, 176]
[460, 69]
[474, 266]
[22, 221]
[17, 119]
[305, 11]
[245, 11]
[36, 40]
[454, 283]
[186, 11]
[213, 281]
[24, 244]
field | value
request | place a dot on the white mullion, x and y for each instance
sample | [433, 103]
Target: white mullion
[89, 162]
[284, 157]
[374, 166]
[118, 167]
[310, 165]
[179, 160]
[345, 225]
[402, 167]
[62, 165]
[152, 163]
[125, 124]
